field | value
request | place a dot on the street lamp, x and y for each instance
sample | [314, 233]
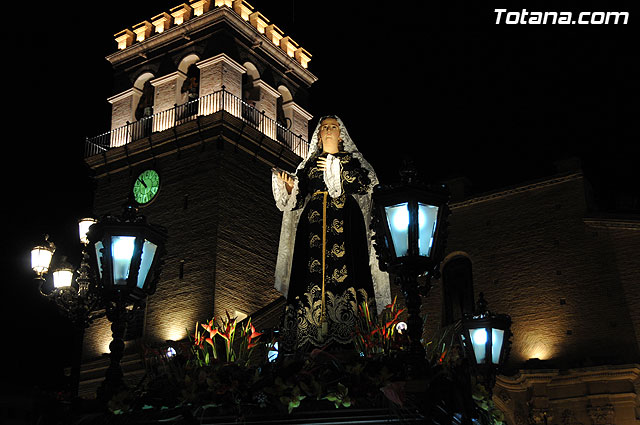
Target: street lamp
[63, 274]
[486, 339]
[75, 301]
[41, 256]
[410, 221]
[83, 228]
[120, 267]
[126, 251]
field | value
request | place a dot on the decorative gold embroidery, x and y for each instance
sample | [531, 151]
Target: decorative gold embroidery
[339, 201]
[302, 325]
[315, 241]
[338, 250]
[315, 266]
[344, 159]
[348, 177]
[314, 216]
[337, 226]
[339, 275]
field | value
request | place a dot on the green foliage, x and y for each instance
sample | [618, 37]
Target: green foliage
[444, 348]
[491, 415]
[340, 396]
[289, 395]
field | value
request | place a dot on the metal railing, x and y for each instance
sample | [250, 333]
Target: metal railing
[218, 101]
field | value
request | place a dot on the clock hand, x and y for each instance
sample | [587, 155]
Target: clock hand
[142, 181]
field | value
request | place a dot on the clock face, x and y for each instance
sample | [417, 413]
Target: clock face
[146, 187]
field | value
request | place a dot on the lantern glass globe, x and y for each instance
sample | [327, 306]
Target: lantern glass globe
[83, 228]
[41, 259]
[62, 278]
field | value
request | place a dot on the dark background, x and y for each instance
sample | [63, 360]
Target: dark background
[441, 84]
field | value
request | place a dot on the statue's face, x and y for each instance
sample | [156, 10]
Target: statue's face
[330, 135]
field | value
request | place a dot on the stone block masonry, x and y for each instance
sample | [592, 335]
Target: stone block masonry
[223, 237]
[568, 286]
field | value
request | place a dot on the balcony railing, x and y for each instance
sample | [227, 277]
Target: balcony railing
[180, 114]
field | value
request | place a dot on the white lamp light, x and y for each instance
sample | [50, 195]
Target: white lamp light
[83, 228]
[486, 335]
[63, 274]
[62, 277]
[41, 256]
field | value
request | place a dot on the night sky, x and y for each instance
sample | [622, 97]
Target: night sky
[441, 84]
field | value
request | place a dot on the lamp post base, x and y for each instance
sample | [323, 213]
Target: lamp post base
[417, 361]
[114, 382]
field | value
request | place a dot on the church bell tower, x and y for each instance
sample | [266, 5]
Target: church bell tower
[208, 97]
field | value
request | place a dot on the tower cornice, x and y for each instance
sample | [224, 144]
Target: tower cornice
[210, 19]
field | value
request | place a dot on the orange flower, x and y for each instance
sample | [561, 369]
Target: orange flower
[253, 334]
[210, 327]
[441, 359]
[197, 338]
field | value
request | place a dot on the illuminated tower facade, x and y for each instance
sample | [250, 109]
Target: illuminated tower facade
[209, 96]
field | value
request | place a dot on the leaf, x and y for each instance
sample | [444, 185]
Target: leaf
[342, 389]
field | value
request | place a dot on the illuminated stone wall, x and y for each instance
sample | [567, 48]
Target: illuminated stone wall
[570, 281]
[223, 230]
[565, 282]
[601, 395]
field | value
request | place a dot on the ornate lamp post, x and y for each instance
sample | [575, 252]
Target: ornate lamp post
[127, 254]
[410, 221]
[75, 300]
[486, 339]
[120, 268]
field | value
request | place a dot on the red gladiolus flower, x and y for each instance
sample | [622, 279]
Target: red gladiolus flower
[441, 359]
[197, 338]
[210, 327]
[253, 334]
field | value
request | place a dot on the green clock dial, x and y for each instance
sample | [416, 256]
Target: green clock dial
[146, 187]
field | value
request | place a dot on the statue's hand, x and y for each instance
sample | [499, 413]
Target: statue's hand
[287, 179]
[322, 163]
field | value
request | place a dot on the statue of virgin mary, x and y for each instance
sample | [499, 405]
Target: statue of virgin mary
[326, 263]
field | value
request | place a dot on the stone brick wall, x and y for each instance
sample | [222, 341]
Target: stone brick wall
[622, 246]
[220, 71]
[568, 288]
[223, 236]
[248, 234]
[122, 107]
